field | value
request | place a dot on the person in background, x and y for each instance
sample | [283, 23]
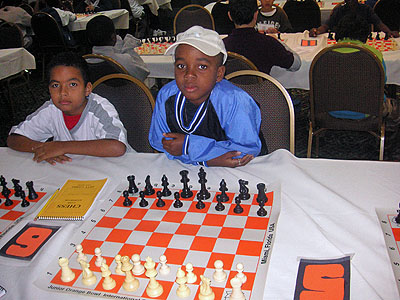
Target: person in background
[272, 19]
[263, 50]
[100, 32]
[355, 8]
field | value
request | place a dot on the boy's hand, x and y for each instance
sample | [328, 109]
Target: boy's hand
[52, 152]
[228, 160]
[173, 143]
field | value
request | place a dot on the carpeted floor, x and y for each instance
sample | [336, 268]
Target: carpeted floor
[339, 145]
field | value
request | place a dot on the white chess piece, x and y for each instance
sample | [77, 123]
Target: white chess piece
[219, 273]
[183, 290]
[237, 293]
[154, 288]
[88, 278]
[67, 275]
[131, 283]
[206, 292]
[81, 255]
[99, 259]
[240, 274]
[138, 268]
[164, 268]
[119, 265]
[191, 277]
[108, 282]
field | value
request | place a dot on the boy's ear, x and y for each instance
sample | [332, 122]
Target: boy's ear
[88, 89]
[220, 73]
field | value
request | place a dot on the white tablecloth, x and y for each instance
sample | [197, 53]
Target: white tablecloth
[154, 5]
[15, 60]
[120, 18]
[328, 210]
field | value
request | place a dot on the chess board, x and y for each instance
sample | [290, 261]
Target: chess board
[14, 213]
[381, 45]
[183, 235]
[153, 48]
[391, 231]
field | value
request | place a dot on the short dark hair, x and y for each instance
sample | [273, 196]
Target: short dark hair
[69, 59]
[352, 26]
[99, 31]
[242, 11]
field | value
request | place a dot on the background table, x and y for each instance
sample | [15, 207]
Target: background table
[154, 5]
[120, 18]
[15, 60]
[328, 210]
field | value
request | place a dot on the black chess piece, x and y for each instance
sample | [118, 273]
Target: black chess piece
[164, 182]
[143, 202]
[177, 203]
[200, 204]
[279, 36]
[32, 195]
[6, 193]
[330, 36]
[261, 196]
[238, 209]
[397, 219]
[24, 202]
[17, 187]
[203, 193]
[377, 37]
[127, 201]
[261, 211]
[243, 190]
[222, 187]
[2, 181]
[186, 192]
[220, 206]
[386, 36]
[132, 185]
[370, 36]
[148, 189]
[160, 201]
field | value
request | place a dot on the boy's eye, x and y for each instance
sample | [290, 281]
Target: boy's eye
[54, 85]
[73, 84]
[202, 67]
[180, 66]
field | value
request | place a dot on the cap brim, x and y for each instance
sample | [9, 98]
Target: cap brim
[202, 46]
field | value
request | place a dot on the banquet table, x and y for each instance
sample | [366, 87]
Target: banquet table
[154, 5]
[161, 66]
[120, 18]
[327, 211]
[15, 60]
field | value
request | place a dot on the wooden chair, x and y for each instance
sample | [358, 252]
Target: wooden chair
[101, 65]
[303, 15]
[346, 82]
[277, 112]
[134, 104]
[191, 15]
[236, 62]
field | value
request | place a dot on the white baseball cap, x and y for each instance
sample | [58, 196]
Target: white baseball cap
[205, 40]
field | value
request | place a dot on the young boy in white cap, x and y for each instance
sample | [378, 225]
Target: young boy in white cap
[200, 118]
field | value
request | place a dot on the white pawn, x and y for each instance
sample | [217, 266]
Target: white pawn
[206, 292]
[66, 273]
[240, 274]
[183, 290]
[154, 288]
[81, 255]
[219, 273]
[99, 259]
[191, 277]
[131, 283]
[164, 268]
[108, 282]
[237, 293]
[119, 265]
[138, 268]
[88, 278]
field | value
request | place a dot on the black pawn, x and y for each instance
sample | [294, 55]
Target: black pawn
[261, 193]
[261, 211]
[148, 189]
[177, 203]
[238, 209]
[186, 192]
[164, 182]
[24, 202]
[200, 204]
[279, 35]
[127, 201]
[32, 195]
[397, 219]
[2, 181]
[203, 193]
[222, 187]
[6, 193]
[378, 37]
[243, 190]
[143, 202]
[370, 36]
[160, 202]
[132, 185]
[330, 36]
[219, 206]
[386, 36]
[17, 187]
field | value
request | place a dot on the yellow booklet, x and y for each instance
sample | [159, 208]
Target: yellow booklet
[72, 201]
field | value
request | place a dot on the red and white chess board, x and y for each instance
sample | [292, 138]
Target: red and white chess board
[153, 48]
[14, 213]
[382, 45]
[391, 232]
[183, 235]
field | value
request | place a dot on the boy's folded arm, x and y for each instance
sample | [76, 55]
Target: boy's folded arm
[21, 143]
[100, 147]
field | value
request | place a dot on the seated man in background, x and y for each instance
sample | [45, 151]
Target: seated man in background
[89, 6]
[353, 7]
[272, 19]
[263, 50]
[101, 35]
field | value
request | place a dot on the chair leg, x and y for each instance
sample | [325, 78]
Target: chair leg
[382, 141]
[310, 137]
